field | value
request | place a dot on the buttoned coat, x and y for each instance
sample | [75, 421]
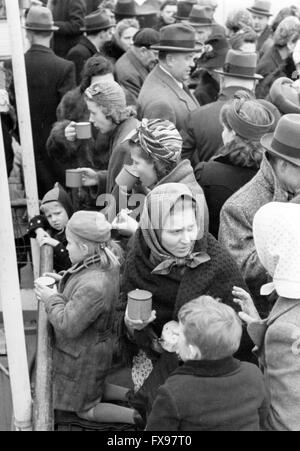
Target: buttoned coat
[80, 53]
[68, 15]
[131, 73]
[236, 226]
[203, 130]
[82, 316]
[161, 97]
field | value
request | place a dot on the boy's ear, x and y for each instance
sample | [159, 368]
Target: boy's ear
[194, 353]
[84, 248]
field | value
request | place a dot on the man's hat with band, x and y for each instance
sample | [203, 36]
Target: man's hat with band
[199, 17]
[177, 38]
[261, 8]
[184, 8]
[285, 141]
[240, 65]
[97, 21]
[39, 18]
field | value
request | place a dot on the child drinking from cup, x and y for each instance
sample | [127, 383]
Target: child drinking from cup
[212, 391]
[81, 313]
[49, 228]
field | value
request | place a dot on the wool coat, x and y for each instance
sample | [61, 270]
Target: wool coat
[80, 53]
[81, 314]
[131, 73]
[203, 130]
[236, 227]
[68, 15]
[279, 352]
[49, 77]
[262, 38]
[220, 179]
[269, 62]
[223, 395]
[161, 97]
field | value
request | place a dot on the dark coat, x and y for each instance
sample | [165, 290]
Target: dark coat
[82, 315]
[80, 53]
[203, 130]
[161, 97]
[269, 62]
[112, 51]
[69, 16]
[223, 395]
[131, 73]
[220, 179]
[49, 78]
[207, 88]
[266, 34]
[92, 5]
[286, 69]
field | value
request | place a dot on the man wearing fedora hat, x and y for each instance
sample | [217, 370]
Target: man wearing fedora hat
[49, 77]
[98, 29]
[278, 180]
[203, 130]
[164, 94]
[125, 9]
[261, 13]
[199, 19]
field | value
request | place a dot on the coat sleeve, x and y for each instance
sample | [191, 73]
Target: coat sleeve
[236, 235]
[189, 140]
[164, 415]
[73, 316]
[77, 12]
[67, 80]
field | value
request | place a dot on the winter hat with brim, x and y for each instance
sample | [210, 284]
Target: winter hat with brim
[240, 65]
[125, 8]
[97, 21]
[261, 8]
[39, 18]
[107, 94]
[178, 38]
[285, 141]
[276, 234]
[58, 194]
[184, 8]
[199, 17]
[90, 226]
[285, 96]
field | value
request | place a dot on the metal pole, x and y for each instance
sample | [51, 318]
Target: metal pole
[21, 89]
[12, 307]
[43, 415]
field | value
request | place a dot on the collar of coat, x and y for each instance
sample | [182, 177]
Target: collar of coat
[136, 63]
[89, 45]
[228, 93]
[208, 368]
[267, 173]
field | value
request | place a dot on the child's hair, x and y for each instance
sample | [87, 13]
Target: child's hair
[214, 328]
[110, 255]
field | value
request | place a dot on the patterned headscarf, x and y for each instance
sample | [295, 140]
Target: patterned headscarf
[159, 139]
[107, 94]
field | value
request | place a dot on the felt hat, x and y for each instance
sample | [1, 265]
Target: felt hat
[147, 8]
[261, 8]
[184, 8]
[199, 17]
[285, 96]
[125, 8]
[217, 49]
[97, 21]
[177, 38]
[285, 141]
[91, 226]
[240, 65]
[39, 18]
[146, 37]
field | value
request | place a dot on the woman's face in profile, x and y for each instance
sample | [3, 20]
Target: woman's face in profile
[180, 231]
[98, 118]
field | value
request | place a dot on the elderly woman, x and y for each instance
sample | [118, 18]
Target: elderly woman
[108, 112]
[155, 148]
[245, 121]
[174, 258]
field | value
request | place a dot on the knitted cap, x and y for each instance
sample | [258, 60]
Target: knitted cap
[146, 37]
[277, 240]
[91, 226]
[159, 139]
[286, 30]
[107, 94]
[58, 194]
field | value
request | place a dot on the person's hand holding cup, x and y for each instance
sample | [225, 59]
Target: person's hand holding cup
[70, 132]
[45, 287]
[139, 313]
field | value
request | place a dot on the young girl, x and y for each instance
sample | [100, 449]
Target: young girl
[81, 313]
[277, 240]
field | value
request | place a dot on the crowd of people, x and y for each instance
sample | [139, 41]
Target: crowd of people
[189, 190]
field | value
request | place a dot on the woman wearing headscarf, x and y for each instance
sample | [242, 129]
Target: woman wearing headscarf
[245, 121]
[155, 148]
[173, 256]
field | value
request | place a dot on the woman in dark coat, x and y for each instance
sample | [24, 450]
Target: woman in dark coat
[245, 121]
[176, 264]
